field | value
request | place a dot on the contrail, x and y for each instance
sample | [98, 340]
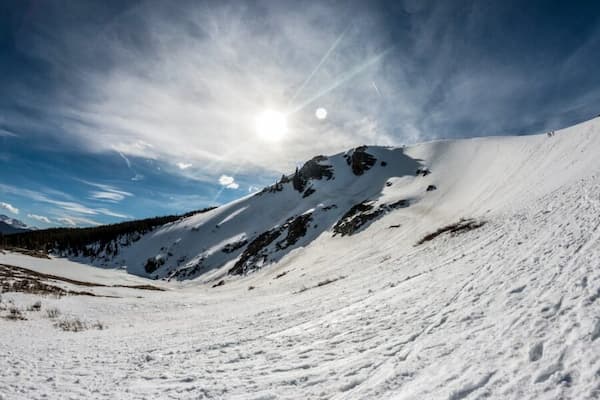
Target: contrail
[343, 79]
[376, 88]
[314, 71]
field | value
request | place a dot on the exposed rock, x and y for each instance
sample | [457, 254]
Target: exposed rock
[312, 169]
[257, 251]
[308, 192]
[398, 204]
[231, 247]
[220, 283]
[431, 188]
[188, 271]
[360, 160]
[361, 213]
[153, 263]
[296, 228]
[281, 275]
[355, 217]
[422, 171]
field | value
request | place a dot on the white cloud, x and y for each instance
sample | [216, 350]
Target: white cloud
[9, 208]
[40, 218]
[225, 180]
[228, 181]
[183, 166]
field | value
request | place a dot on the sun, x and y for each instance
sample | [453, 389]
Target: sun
[271, 125]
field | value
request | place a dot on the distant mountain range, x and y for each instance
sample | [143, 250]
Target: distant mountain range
[10, 225]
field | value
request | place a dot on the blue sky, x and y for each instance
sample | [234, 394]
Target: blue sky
[115, 110]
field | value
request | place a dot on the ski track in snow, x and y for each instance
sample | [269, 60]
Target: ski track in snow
[508, 311]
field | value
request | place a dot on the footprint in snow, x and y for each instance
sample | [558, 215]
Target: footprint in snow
[536, 351]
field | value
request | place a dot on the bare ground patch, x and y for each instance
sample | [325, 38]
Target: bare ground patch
[462, 226]
[18, 279]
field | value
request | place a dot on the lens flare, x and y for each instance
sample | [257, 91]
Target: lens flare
[271, 125]
[321, 113]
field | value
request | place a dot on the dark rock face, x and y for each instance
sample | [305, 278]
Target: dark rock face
[360, 214]
[188, 272]
[431, 188]
[360, 160]
[152, 264]
[422, 171]
[296, 228]
[231, 247]
[354, 218]
[308, 192]
[220, 283]
[311, 170]
[257, 251]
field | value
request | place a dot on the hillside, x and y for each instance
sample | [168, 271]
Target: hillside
[485, 287]
[402, 192]
[10, 225]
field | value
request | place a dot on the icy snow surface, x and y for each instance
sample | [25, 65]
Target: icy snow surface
[510, 310]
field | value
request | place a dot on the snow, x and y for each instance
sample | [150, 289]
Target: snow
[508, 310]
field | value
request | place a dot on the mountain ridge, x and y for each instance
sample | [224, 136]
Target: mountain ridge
[331, 198]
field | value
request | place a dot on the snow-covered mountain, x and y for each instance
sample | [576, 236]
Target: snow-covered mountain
[403, 193]
[333, 196]
[351, 281]
[12, 225]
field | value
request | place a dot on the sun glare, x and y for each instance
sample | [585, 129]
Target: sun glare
[271, 125]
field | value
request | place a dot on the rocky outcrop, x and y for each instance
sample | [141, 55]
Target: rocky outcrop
[257, 252]
[296, 229]
[422, 171]
[312, 169]
[359, 160]
[231, 247]
[360, 214]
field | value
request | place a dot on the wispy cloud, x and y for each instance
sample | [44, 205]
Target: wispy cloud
[199, 98]
[386, 75]
[4, 132]
[9, 207]
[107, 193]
[110, 213]
[76, 221]
[66, 205]
[40, 218]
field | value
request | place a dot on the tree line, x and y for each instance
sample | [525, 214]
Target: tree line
[77, 240]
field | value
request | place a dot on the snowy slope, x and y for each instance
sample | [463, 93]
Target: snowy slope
[212, 243]
[510, 310]
[471, 178]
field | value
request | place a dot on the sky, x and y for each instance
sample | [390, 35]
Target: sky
[114, 110]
